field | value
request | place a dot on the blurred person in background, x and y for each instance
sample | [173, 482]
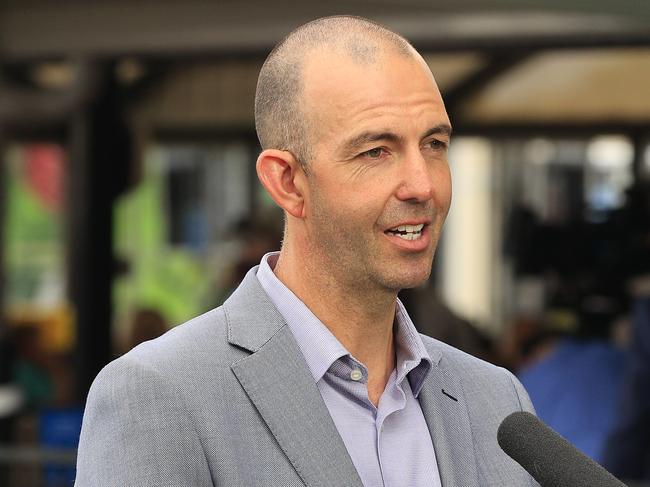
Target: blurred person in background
[574, 369]
[146, 324]
[627, 454]
[435, 319]
[627, 451]
[45, 380]
[255, 238]
[31, 369]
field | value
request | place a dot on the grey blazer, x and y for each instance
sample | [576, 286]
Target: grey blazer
[226, 399]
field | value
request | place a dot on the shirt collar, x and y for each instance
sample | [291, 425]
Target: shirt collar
[413, 360]
[321, 348]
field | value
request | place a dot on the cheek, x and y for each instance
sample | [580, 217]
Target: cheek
[356, 198]
[443, 192]
[333, 204]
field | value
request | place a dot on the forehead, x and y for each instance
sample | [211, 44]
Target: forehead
[344, 95]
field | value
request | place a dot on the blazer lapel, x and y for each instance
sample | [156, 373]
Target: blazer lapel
[446, 414]
[278, 382]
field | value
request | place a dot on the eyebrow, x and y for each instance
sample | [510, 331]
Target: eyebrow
[443, 128]
[351, 145]
[363, 138]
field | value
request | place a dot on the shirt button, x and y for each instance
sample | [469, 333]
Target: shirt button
[356, 374]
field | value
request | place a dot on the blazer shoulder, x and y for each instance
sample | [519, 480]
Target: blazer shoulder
[201, 341]
[132, 406]
[440, 350]
[477, 376]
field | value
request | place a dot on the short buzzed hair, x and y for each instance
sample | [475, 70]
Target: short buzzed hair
[280, 120]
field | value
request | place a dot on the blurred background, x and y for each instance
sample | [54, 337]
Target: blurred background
[129, 201]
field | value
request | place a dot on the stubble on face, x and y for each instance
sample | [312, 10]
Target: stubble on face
[344, 229]
[350, 243]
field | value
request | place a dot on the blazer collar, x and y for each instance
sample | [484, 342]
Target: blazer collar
[277, 380]
[445, 410]
[252, 318]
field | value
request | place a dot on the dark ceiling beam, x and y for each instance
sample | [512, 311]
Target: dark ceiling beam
[494, 67]
[28, 107]
[155, 74]
[37, 30]
[523, 128]
[504, 43]
[20, 108]
[493, 46]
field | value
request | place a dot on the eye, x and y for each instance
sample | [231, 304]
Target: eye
[374, 153]
[436, 144]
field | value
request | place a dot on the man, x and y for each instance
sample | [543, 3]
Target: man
[312, 373]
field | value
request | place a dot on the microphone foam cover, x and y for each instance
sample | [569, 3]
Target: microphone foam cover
[549, 458]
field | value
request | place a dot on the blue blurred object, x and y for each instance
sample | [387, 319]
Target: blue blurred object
[575, 390]
[60, 428]
[628, 450]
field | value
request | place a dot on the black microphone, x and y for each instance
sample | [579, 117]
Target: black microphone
[549, 458]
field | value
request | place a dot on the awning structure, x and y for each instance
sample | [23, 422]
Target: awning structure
[38, 28]
[90, 73]
[608, 86]
[502, 63]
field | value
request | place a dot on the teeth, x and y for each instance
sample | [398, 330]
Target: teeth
[409, 236]
[408, 228]
[408, 232]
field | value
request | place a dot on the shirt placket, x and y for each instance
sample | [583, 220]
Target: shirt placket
[391, 403]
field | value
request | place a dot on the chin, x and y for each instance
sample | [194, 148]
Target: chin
[403, 273]
[416, 273]
[407, 280]
[415, 282]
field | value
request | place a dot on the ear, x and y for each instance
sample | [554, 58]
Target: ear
[282, 176]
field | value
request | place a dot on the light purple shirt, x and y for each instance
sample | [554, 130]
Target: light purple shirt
[389, 445]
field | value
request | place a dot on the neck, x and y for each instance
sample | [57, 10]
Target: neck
[359, 315]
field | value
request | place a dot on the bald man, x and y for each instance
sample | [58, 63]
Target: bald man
[312, 372]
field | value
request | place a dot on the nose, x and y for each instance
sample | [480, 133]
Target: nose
[416, 179]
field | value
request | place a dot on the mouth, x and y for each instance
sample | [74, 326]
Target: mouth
[407, 232]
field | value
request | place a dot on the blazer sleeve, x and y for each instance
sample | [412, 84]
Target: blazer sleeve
[137, 431]
[524, 400]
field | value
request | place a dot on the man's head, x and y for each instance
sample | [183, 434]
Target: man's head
[281, 119]
[355, 139]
